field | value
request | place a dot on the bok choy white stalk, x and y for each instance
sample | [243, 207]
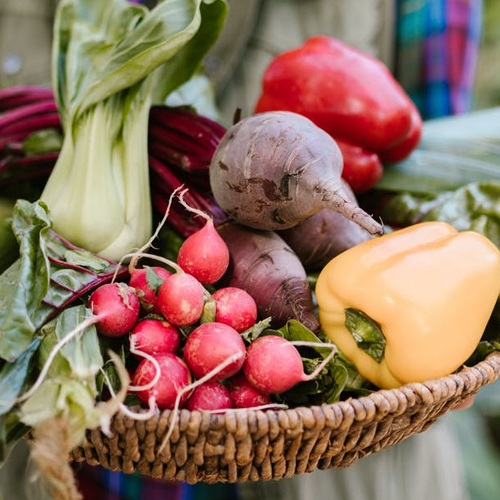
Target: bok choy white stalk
[111, 61]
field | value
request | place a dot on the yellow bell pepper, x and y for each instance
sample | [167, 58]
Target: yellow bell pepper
[429, 288]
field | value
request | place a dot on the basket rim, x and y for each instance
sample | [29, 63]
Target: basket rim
[247, 444]
[451, 388]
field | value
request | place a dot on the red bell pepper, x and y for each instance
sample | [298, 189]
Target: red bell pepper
[352, 96]
[362, 168]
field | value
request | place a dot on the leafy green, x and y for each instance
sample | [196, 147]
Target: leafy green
[82, 353]
[13, 376]
[24, 285]
[35, 294]
[8, 243]
[475, 207]
[153, 280]
[444, 165]
[66, 397]
[49, 275]
[111, 60]
[183, 66]
[337, 380]
[454, 151]
[39, 311]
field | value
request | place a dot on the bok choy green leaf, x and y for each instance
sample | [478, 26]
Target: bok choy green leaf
[111, 60]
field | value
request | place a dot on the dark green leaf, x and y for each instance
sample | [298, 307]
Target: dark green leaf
[108, 374]
[83, 351]
[338, 378]
[154, 281]
[256, 330]
[24, 285]
[13, 376]
[475, 207]
[366, 332]
[8, 244]
[49, 275]
[183, 65]
[11, 431]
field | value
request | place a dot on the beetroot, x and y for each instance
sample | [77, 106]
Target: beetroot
[323, 236]
[273, 170]
[263, 265]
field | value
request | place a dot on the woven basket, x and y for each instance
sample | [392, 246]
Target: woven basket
[262, 445]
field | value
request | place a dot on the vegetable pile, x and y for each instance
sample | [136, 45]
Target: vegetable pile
[350, 95]
[153, 259]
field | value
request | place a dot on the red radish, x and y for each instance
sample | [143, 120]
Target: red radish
[245, 395]
[235, 307]
[174, 376]
[273, 365]
[117, 306]
[147, 295]
[154, 336]
[209, 396]
[181, 299]
[209, 345]
[204, 254]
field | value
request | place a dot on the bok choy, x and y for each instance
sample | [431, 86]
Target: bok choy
[111, 61]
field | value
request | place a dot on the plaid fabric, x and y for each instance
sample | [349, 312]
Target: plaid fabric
[97, 483]
[437, 45]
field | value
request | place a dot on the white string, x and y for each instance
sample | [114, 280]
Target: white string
[192, 386]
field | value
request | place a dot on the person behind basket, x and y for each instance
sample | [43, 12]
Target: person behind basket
[399, 32]
[423, 466]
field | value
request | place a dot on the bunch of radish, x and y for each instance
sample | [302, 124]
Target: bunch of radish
[186, 343]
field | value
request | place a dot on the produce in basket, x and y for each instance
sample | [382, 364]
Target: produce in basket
[353, 97]
[65, 365]
[423, 295]
[273, 170]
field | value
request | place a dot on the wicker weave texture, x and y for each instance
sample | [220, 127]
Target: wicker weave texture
[262, 445]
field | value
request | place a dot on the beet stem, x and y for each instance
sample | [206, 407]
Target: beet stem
[338, 202]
